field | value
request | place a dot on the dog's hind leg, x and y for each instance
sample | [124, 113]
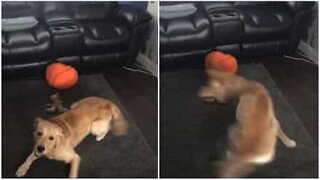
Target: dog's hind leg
[289, 143]
[100, 128]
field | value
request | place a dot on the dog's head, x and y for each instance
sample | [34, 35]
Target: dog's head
[47, 136]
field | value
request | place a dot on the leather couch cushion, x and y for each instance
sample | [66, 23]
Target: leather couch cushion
[217, 5]
[104, 36]
[20, 23]
[26, 46]
[265, 23]
[132, 15]
[183, 34]
[176, 11]
[54, 17]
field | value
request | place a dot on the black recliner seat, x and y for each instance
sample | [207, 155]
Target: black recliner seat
[250, 28]
[87, 35]
[244, 29]
[93, 29]
[188, 36]
[26, 49]
[104, 35]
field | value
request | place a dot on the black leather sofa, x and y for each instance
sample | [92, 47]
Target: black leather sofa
[243, 29]
[87, 35]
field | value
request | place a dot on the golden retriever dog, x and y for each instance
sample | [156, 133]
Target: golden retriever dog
[57, 138]
[252, 140]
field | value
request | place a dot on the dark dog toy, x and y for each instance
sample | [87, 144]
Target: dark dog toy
[56, 105]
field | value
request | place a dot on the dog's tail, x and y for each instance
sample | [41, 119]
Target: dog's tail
[234, 168]
[119, 124]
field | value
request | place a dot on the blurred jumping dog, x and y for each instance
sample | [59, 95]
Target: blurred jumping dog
[252, 141]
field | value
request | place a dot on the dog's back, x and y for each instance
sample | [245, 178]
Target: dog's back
[101, 108]
[77, 122]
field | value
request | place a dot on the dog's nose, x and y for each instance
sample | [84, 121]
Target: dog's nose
[40, 149]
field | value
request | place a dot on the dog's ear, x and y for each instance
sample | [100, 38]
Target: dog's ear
[37, 121]
[59, 130]
[212, 72]
[217, 74]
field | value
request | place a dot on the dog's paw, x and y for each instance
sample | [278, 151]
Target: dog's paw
[210, 100]
[291, 144]
[73, 175]
[51, 109]
[21, 171]
[100, 137]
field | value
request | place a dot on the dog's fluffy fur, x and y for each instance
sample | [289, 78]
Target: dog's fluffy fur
[57, 138]
[252, 140]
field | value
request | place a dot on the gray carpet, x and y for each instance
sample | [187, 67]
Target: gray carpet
[193, 133]
[122, 156]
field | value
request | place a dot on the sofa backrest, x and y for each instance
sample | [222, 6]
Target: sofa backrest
[83, 10]
[14, 9]
[50, 6]
[91, 10]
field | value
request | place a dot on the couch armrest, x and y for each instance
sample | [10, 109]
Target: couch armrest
[132, 15]
[54, 18]
[296, 6]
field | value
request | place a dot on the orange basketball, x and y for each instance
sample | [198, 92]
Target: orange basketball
[221, 61]
[61, 76]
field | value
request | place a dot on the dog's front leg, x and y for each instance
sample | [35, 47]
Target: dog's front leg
[75, 163]
[212, 95]
[22, 170]
[206, 94]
